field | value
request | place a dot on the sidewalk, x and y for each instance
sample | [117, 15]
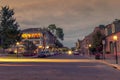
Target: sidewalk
[109, 60]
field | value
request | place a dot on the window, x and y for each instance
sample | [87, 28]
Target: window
[113, 28]
[106, 31]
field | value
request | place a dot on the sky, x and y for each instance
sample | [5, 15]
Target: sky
[78, 18]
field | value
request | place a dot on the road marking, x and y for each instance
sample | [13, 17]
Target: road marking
[9, 64]
[46, 60]
[96, 66]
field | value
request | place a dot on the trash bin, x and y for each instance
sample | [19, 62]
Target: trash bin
[97, 56]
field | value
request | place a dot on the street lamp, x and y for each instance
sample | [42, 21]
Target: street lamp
[17, 47]
[70, 52]
[103, 42]
[89, 46]
[47, 47]
[115, 38]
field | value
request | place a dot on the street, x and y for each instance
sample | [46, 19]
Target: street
[80, 69]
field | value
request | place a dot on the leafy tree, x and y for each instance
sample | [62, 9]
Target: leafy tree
[73, 48]
[9, 28]
[97, 41]
[59, 33]
[52, 28]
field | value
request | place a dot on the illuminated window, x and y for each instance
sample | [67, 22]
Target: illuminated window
[31, 35]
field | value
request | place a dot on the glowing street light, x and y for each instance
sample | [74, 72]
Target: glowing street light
[47, 47]
[89, 46]
[17, 43]
[17, 47]
[40, 46]
[70, 52]
[115, 38]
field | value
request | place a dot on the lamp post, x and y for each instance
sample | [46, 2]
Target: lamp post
[115, 38]
[89, 46]
[103, 42]
[17, 47]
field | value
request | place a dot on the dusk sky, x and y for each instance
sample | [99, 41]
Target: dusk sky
[77, 17]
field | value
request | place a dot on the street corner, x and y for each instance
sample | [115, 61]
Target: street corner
[116, 66]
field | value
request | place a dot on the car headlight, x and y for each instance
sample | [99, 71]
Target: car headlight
[69, 52]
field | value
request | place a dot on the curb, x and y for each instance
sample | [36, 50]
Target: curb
[116, 66]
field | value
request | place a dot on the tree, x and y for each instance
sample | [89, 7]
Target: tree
[58, 32]
[73, 48]
[97, 41]
[9, 28]
[52, 28]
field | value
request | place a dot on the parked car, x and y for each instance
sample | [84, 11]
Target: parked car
[52, 53]
[97, 56]
[43, 54]
[76, 53]
[11, 52]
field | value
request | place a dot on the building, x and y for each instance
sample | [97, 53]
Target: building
[42, 38]
[110, 31]
[86, 43]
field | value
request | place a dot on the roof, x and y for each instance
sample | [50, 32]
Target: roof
[29, 30]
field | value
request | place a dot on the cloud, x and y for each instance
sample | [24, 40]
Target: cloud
[77, 17]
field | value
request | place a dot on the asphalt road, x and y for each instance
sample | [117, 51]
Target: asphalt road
[83, 70]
